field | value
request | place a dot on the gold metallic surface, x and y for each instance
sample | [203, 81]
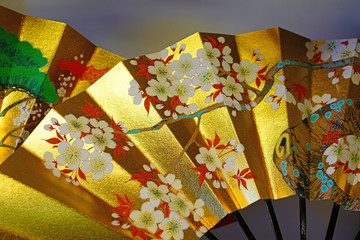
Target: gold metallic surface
[172, 142]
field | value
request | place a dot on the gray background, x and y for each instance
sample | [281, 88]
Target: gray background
[130, 28]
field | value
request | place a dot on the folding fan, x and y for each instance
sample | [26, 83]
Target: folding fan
[165, 145]
[42, 63]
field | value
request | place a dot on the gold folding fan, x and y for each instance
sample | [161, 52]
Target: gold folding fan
[36, 55]
[165, 145]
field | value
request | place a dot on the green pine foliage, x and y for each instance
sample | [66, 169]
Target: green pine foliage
[19, 68]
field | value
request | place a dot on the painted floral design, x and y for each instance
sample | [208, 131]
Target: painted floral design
[334, 50]
[147, 218]
[173, 227]
[98, 164]
[343, 153]
[166, 212]
[217, 162]
[173, 77]
[84, 149]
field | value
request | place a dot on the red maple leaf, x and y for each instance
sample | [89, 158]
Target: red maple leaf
[125, 206]
[244, 174]
[119, 149]
[91, 111]
[142, 177]
[299, 90]
[216, 140]
[138, 232]
[202, 170]
[331, 137]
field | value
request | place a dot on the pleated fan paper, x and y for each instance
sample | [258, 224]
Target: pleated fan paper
[165, 145]
[42, 63]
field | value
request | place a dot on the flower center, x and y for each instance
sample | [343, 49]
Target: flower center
[98, 165]
[161, 90]
[72, 154]
[75, 126]
[174, 226]
[355, 158]
[156, 193]
[208, 158]
[147, 219]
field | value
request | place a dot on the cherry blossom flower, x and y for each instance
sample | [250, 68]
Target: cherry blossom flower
[353, 178]
[24, 108]
[330, 170]
[171, 181]
[329, 49]
[100, 139]
[173, 227]
[198, 211]
[310, 46]
[50, 163]
[281, 92]
[161, 71]
[187, 65]
[148, 218]
[246, 71]
[98, 165]
[352, 157]
[74, 126]
[186, 109]
[102, 125]
[150, 168]
[155, 193]
[345, 51]
[158, 89]
[325, 99]
[352, 72]
[353, 140]
[61, 92]
[205, 78]
[201, 231]
[335, 151]
[72, 155]
[17, 121]
[179, 204]
[208, 157]
[182, 90]
[228, 166]
[231, 88]
[158, 55]
[134, 90]
[209, 55]
[307, 108]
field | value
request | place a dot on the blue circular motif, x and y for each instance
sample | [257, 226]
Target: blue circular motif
[349, 102]
[324, 188]
[284, 172]
[296, 173]
[283, 164]
[333, 106]
[314, 117]
[308, 146]
[242, 107]
[319, 174]
[281, 64]
[328, 114]
[321, 165]
[330, 183]
[324, 179]
[338, 109]
[341, 102]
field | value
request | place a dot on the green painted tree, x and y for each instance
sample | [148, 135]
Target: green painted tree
[19, 70]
